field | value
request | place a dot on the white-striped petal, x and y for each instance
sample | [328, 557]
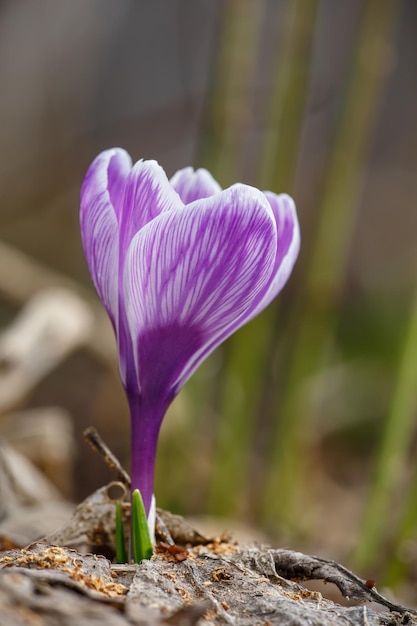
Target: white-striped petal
[194, 185]
[193, 277]
[101, 202]
[288, 235]
[147, 194]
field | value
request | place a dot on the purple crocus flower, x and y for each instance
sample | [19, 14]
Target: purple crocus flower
[179, 266]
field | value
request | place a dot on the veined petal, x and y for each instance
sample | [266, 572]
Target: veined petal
[101, 197]
[288, 232]
[193, 184]
[147, 194]
[192, 278]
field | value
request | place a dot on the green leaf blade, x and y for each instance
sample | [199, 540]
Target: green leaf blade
[141, 541]
[121, 554]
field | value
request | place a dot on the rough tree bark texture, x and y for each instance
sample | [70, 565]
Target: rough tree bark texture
[188, 581]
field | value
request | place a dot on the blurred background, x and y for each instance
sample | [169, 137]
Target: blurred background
[303, 424]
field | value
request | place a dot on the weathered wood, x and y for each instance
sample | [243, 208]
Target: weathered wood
[216, 584]
[209, 582]
[191, 579]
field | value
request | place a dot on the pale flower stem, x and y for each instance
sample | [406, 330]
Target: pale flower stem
[229, 119]
[391, 464]
[327, 265]
[286, 108]
[249, 351]
[285, 119]
[235, 434]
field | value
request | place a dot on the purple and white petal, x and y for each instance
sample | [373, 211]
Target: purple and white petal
[194, 185]
[288, 232]
[147, 194]
[119, 166]
[101, 196]
[192, 278]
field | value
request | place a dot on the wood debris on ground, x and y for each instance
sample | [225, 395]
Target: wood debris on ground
[189, 580]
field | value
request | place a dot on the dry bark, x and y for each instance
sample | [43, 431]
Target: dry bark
[190, 580]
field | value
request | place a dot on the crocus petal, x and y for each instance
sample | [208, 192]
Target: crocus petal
[288, 232]
[194, 276]
[147, 194]
[101, 197]
[193, 184]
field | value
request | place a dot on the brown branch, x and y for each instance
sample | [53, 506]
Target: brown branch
[97, 444]
[298, 566]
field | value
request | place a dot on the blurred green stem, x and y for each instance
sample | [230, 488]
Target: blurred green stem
[391, 463]
[284, 123]
[121, 553]
[288, 99]
[248, 349]
[235, 430]
[228, 108]
[324, 280]
[224, 137]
